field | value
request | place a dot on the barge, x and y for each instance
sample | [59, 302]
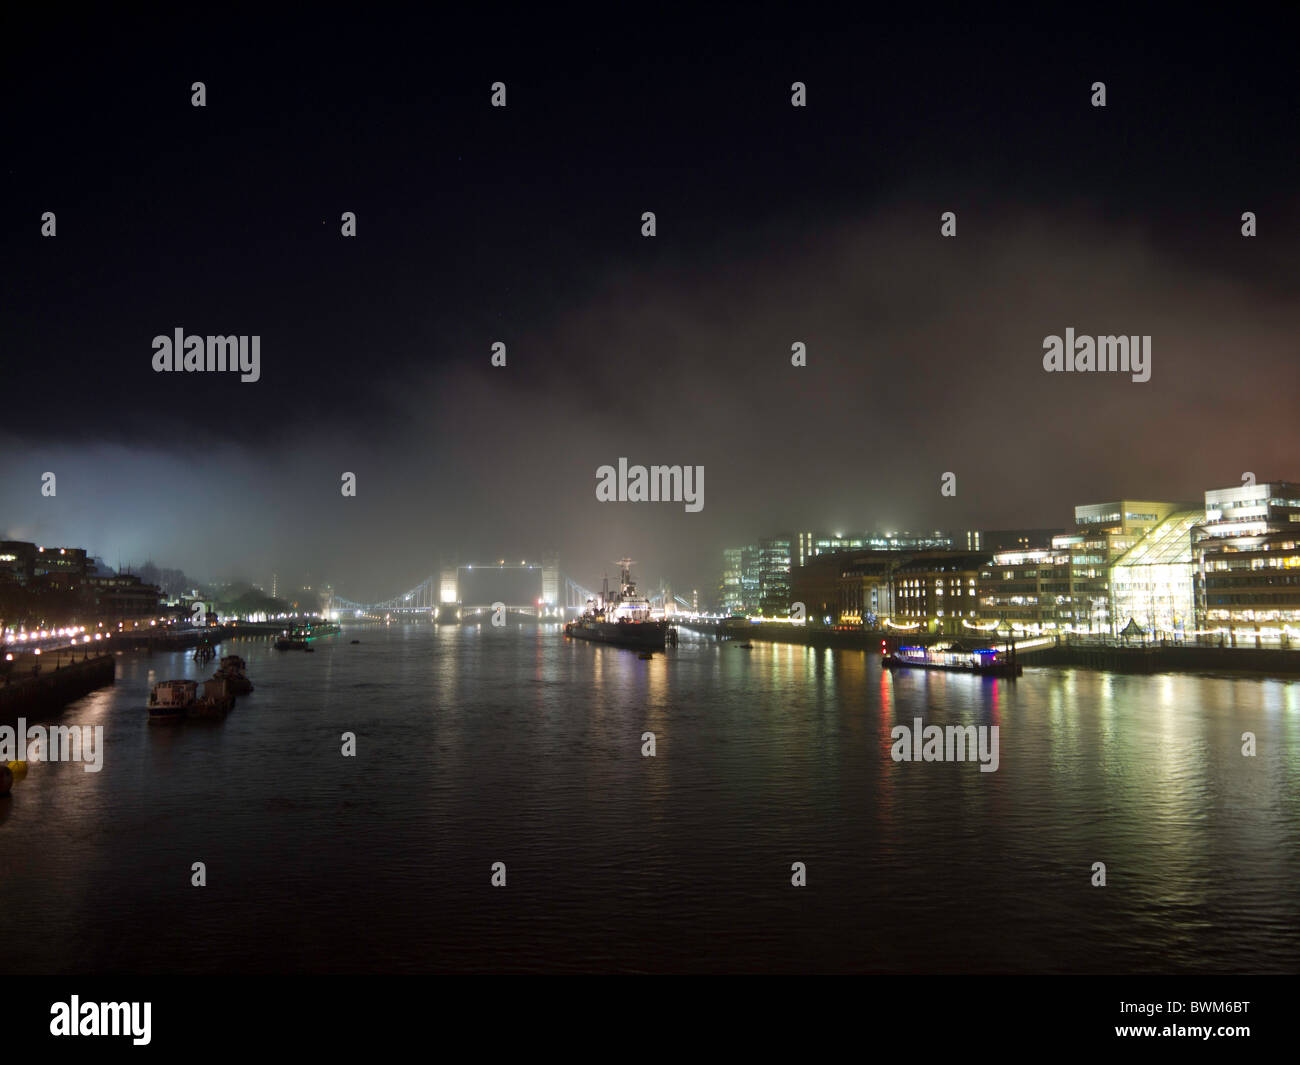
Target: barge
[172, 701]
[233, 670]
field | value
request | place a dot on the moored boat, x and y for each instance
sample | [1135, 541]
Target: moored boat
[623, 620]
[175, 700]
[953, 658]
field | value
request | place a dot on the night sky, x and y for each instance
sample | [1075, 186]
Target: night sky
[523, 225]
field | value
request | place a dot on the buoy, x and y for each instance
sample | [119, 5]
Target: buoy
[18, 769]
[6, 780]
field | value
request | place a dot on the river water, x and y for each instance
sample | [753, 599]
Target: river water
[477, 746]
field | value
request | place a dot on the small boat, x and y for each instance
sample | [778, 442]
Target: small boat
[645, 655]
[356, 641]
[744, 646]
[169, 700]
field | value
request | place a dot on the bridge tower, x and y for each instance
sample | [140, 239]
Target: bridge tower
[449, 582]
[551, 578]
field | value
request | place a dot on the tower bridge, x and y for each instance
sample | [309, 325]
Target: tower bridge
[536, 589]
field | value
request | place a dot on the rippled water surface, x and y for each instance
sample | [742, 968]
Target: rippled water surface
[478, 745]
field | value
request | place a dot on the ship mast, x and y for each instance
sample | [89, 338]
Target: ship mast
[625, 576]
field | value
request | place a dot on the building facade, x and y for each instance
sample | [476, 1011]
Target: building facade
[1030, 589]
[1152, 582]
[1247, 563]
[938, 592]
[122, 597]
[1103, 532]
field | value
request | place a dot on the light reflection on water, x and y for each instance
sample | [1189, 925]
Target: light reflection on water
[478, 746]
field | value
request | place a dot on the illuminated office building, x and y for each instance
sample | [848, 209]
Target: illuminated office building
[1152, 582]
[1247, 562]
[1028, 589]
[1103, 532]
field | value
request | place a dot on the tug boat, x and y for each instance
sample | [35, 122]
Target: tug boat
[232, 670]
[623, 620]
[953, 658]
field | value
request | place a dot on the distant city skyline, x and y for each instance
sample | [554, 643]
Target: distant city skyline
[278, 576]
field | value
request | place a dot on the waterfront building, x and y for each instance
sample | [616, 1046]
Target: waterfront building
[866, 587]
[17, 561]
[749, 579]
[756, 578]
[65, 583]
[1027, 589]
[774, 557]
[122, 597]
[1103, 532]
[760, 579]
[847, 587]
[937, 591]
[59, 569]
[816, 584]
[739, 589]
[1152, 582]
[1247, 563]
[730, 596]
[44, 569]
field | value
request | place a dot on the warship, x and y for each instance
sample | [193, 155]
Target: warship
[623, 619]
